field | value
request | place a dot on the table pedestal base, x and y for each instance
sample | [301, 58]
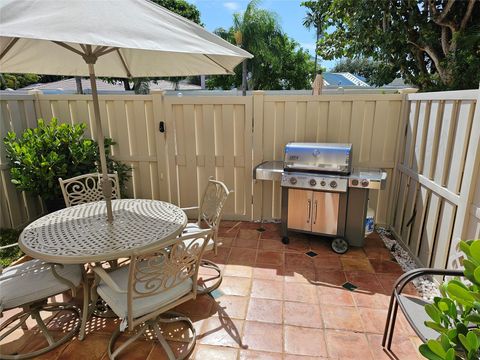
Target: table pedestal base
[102, 310]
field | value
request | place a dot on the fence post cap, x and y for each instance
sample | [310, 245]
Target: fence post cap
[157, 91]
[258, 92]
[408, 91]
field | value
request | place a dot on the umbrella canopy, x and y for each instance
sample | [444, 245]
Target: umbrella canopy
[117, 38]
[147, 40]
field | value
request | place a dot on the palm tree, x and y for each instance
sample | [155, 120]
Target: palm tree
[315, 20]
[253, 31]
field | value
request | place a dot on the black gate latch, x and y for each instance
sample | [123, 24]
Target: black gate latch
[161, 126]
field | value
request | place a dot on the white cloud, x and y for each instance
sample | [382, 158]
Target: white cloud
[231, 5]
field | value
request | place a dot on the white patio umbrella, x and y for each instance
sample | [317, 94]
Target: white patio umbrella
[115, 38]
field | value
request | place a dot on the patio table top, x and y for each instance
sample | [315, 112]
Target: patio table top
[81, 234]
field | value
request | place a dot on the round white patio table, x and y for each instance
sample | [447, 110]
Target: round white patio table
[81, 234]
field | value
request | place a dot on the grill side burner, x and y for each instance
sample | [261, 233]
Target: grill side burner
[320, 192]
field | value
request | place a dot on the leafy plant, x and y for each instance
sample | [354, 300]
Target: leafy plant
[9, 255]
[39, 156]
[456, 314]
[431, 44]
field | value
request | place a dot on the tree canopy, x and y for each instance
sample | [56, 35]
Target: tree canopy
[183, 8]
[434, 44]
[278, 62]
[17, 81]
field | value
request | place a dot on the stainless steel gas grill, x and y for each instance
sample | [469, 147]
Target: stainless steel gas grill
[321, 194]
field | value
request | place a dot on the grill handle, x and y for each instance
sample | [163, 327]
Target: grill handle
[315, 212]
[309, 209]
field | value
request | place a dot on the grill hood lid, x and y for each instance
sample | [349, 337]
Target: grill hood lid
[318, 157]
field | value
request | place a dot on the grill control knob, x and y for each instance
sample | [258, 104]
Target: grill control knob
[333, 184]
[293, 180]
[323, 183]
[365, 182]
[355, 182]
[313, 182]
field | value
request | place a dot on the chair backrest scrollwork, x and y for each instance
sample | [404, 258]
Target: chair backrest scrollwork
[212, 204]
[87, 188]
[161, 269]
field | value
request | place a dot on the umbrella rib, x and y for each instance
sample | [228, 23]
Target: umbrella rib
[99, 49]
[217, 63]
[129, 74]
[9, 46]
[68, 47]
[104, 52]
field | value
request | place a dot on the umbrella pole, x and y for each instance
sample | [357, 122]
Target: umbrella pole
[106, 185]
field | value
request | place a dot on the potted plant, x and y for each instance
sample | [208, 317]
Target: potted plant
[456, 313]
[39, 156]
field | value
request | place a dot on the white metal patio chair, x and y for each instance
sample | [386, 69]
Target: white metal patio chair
[28, 286]
[87, 188]
[155, 282]
[209, 215]
[412, 307]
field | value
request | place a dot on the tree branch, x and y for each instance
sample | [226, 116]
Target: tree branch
[445, 44]
[432, 53]
[468, 14]
[436, 60]
[439, 18]
[420, 60]
[416, 45]
[446, 10]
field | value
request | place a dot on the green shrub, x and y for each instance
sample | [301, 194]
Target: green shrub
[8, 255]
[39, 156]
[456, 314]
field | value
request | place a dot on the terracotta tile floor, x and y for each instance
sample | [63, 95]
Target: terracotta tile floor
[275, 302]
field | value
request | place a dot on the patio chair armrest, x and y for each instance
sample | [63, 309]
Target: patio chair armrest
[196, 234]
[8, 246]
[102, 274]
[190, 208]
[403, 280]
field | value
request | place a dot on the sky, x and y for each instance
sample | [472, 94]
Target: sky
[218, 13]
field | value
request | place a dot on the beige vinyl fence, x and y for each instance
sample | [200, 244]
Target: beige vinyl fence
[436, 188]
[17, 112]
[370, 122]
[424, 141]
[220, 136]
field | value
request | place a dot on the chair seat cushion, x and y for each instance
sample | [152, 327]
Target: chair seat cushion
[141, 306]
[192, 228]
[415, 312]
[19, 286]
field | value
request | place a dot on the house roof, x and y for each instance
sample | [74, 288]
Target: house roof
[69, 85]
[343, 79]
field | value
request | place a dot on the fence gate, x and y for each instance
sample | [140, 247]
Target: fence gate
[207, 136]
[437, 168]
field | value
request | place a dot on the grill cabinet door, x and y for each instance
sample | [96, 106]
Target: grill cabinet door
[300, 209]
[325, 212]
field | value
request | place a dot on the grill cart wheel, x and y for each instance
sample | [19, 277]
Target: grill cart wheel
[285, 240]
[340, 245]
